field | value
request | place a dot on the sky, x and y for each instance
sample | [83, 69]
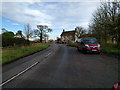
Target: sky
[57, 15]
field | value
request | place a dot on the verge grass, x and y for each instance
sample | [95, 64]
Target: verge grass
[72, 44]
[11, 55]
[105, 48]
[110, 49]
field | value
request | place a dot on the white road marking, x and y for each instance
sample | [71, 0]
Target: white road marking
[19, 74]
[47, 54]
[22, 72]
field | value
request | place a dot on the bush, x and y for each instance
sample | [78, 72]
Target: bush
[37, 41]
[21, 41]
[110, 49]
[7, 41]
[11, 41]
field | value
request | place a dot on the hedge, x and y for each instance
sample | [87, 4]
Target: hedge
[11, 41]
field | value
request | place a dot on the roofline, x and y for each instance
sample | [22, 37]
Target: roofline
[67, 31]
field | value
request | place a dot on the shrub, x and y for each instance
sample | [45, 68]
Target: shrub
[37, 41]
[11, 41]
[7, 41]
[21, 41]
[110, 49]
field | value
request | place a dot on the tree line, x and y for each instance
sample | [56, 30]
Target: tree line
[11, 39]
[105, 24]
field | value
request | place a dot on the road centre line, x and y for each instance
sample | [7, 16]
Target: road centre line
[47, 54]
[19, 74]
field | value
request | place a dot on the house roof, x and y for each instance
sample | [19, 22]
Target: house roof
[68, 33]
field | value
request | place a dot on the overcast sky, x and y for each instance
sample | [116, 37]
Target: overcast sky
[57, 15]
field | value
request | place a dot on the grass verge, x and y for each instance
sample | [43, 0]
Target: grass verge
[72, 44]
[110, 49]
[11, 55]
[106, 48]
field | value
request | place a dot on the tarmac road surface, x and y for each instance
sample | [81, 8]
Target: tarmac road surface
[61, 66]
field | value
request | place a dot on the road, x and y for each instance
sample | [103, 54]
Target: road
[61, 66]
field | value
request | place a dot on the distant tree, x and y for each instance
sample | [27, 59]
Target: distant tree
[7, 39]
[79, 31]
[41, 31]
[19, 33]
[4, 30]
[28, 31]
[46, 36]
[58, 40]
[10, 34]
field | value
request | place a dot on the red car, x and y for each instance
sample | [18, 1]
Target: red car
[88, 45]
[116, 86]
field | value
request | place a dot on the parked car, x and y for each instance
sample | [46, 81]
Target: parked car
[88, 45]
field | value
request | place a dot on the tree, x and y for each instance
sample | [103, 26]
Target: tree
[3, 30]
[79, 31]
[105, 21]
[28, 31]
[58, 40]
[10, 34]
[7, 39]
[46, 36]
[41, 31]
[19, 33]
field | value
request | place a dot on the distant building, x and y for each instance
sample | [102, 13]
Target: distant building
[68, 36]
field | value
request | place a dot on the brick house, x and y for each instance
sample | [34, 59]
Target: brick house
[68, 36]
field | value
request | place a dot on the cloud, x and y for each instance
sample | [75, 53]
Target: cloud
[11, 22]
[31, 1]
[57, 15]
[15, 24]
[21, 12]
[68, 14]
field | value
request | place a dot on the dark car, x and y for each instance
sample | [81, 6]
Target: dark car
[88, 45]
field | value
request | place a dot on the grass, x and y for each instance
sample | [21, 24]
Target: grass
[11, 55]
[110, 49]
[72, 44]
[106, 48]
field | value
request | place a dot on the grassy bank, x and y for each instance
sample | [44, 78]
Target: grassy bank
[9, 55]
[105, 48]
[72, 44]
[110, 49]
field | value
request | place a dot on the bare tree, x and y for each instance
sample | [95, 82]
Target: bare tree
[19, 34]
[46, 36]
[3, 30]
[41, 31]
[79, 31]
[28, 31]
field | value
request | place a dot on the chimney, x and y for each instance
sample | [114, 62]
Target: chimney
[63, 30]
